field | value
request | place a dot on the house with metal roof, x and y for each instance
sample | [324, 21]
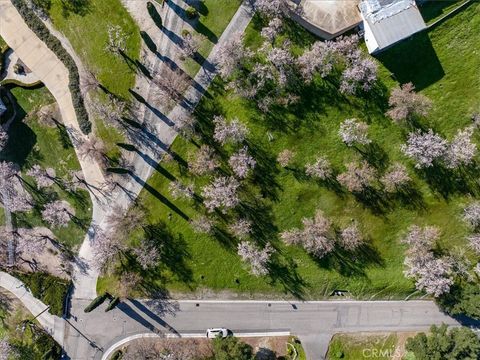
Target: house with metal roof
[389, 21]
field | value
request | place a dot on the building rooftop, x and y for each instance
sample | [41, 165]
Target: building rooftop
[331, 16]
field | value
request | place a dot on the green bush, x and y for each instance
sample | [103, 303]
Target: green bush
[96, 302]
[36, 25]
[49, 289]
[185, 32]
[191, 12]
[114, 302]
[117, 355]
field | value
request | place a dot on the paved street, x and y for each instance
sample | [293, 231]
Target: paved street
[313, 322]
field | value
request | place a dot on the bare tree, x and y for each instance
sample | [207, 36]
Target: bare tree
[241, 228]
[257, 258]
[285, 157]
[43, 177]
[225, 132]
[191, 44]
[117, 40]
[358, 176]
[95, 149]
[424, 148]
[241, 163]
[462, 149]
[12, 194]
[351, 237]
[202, 225]
[112, 111]
[354, 132]
[320, 169]
[471, 214]
[179, 190]
[231, 55]
[221, 194]
[58, 213]
[125, 221]
[203, 161]
[128, 282]
[405, 103]
[89, 82]
[143, 349]
[171, 84]
[395, 178]
[184, 124]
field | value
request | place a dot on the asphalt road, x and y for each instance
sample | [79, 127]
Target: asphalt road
[313, 322]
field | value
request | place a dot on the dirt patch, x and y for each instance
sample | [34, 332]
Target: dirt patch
[401, 341]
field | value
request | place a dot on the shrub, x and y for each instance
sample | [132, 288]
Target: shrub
[114, 302]
[96, 302]
[185, 32]
[191, 12]
[36, 25]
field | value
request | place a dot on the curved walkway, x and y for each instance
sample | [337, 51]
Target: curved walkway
[54, 325]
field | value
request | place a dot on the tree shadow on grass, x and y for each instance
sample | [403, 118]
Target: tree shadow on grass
[63, 134]
[284, 272]
[413, 60]
[448, 182]
[349, 263]
[374, 200]
[263, 226]
[78, 7]
[374, 155]
[409, 197]
[173, 251]
[265, 171]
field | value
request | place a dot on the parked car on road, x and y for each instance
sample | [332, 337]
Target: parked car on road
[217, 332]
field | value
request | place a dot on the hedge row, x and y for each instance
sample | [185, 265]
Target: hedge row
[39, 28]
[97, 302]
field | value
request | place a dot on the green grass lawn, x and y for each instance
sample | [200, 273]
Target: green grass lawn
[214, 16]
[443, 64]
[33, 143]
[433, 10]
[354, 347]
[85, 24]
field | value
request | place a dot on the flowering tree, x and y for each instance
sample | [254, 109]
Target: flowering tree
[316, 236]
[257, 258]
[433, 275]
[117, 39]
[3, 138]
[225, 132]
[221, 194]
[170, 84]
[405, 103]
[106, 249]
[147, 254]
[179, 190]
[358, 176]
[353, 131]
[33, 241]
[471, 214]
[110, 111]
[6, 350]
[241, 228]
[461, 150]
[283, 63]
[271, 31]
[241, 163]
[351, 237]
[474, 242]
[43, 177]
[122, 222]
[395, 177]
[361, 73]
[272, 8]
[285, 157]
[202, 225]
[424, 148]
[320, 169]
[421, 240]
[58, 213]
[231, 55]
[12, 194]
[320, 58]
[203, 161]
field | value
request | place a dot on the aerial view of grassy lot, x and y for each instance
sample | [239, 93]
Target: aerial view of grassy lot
[442, 66]
[32, 142]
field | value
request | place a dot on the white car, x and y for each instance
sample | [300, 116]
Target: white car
[217, 332]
